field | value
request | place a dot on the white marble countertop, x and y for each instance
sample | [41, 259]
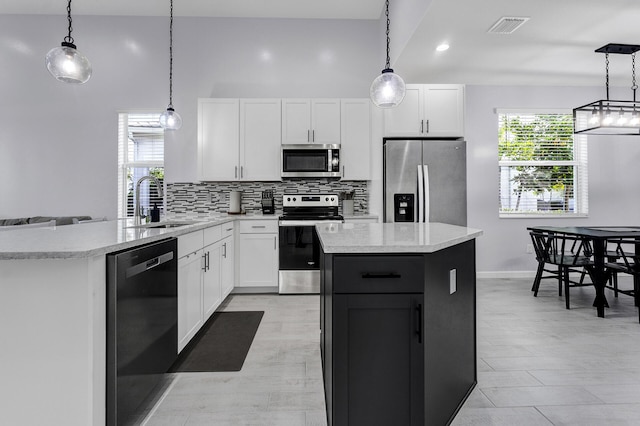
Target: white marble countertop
[97, 238]
[392, 237]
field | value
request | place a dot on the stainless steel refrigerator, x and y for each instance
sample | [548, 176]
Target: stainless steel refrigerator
[425, 180]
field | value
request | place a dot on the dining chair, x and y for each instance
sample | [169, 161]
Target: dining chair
[568, 253]
[627, 262]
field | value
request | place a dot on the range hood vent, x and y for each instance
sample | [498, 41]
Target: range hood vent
[507, 25]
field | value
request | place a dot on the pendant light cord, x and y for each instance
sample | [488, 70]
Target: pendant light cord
[69, 39]
[388, 66]
[634, 86]
[606, 61]
[171, 57]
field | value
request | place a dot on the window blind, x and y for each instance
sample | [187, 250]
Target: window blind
[140, 153]
[542, 165]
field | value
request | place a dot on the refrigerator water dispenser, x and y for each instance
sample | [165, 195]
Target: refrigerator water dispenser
[403, 207]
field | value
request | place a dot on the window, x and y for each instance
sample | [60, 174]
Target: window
[542, 165]
[140, 153]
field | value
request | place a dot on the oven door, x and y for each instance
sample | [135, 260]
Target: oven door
[299, 258]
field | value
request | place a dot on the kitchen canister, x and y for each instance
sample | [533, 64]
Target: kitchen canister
[234, 201]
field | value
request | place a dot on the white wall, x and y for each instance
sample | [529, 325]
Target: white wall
[614, 173]
[58, 142]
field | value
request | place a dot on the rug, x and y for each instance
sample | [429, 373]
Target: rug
[222, 344]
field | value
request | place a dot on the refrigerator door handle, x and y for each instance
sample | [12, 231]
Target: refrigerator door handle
[420, 195]
[425, 194]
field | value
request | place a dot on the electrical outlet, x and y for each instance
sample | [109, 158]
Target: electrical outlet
[529, 249]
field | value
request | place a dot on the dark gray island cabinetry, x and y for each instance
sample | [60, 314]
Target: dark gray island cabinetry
[397, 318]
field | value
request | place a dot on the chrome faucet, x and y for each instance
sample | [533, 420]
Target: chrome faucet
[137, 214]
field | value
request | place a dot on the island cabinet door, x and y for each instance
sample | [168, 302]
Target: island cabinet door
[378, 362]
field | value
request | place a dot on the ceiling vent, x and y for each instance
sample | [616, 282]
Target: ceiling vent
[507, 25]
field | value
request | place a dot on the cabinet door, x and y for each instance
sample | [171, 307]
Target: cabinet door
[378, 359]
[325, 121]
[218, 139]
[227, 275]
[260, 137]
[355, 147]
[406, 118]
[444, 110]
[258, 260]
[296, 121]
[211, 284]
[189, 296]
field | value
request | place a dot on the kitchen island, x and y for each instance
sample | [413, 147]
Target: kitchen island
[397, 319]
[53, 316]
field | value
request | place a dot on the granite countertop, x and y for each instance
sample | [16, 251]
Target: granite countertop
[98, 238]
[392, 237]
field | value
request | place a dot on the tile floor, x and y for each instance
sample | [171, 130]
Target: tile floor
[538, 364]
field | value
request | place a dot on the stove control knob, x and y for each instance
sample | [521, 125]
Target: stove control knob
[327, 199]
[288, 198]
[294, 199]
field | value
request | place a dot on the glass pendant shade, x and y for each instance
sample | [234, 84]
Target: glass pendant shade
[387, 90]
[170, 120]
[68, 65]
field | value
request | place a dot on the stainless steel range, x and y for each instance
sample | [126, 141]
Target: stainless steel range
[299, 245]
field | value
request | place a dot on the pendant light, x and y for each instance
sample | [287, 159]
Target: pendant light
[387, 90]
[608, 117]
[170, 119]
[65, 63]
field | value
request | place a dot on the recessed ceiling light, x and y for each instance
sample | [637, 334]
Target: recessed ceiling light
[442, 47]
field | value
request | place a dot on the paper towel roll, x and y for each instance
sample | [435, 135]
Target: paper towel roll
[234, 202]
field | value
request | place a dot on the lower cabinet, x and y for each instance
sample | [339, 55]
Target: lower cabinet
[378, 359]
[205, 277]
[258, 254]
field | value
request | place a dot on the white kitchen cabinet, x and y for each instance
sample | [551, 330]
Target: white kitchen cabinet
[311, 121]
[429, 110]
[211, 280]
[260, 137]
[227, 268]
[202, 270]
[239, 139]
[355, 147]
[190, 316]
[258, 254]
[218, 139]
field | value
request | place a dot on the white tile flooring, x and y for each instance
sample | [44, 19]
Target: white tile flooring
[538, 364]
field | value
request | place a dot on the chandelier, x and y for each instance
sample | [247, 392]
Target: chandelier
[609, 117]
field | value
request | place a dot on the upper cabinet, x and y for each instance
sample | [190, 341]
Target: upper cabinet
[239, 139]
[430, 110]
[311, 121]
[355, 149]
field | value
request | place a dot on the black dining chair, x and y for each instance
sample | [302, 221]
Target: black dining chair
[567, 253]
[627, 262]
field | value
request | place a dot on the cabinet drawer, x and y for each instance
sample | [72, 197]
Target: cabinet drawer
[188, 243]
[212, 234]
[227, 229]
[378, 274]
[258, 226]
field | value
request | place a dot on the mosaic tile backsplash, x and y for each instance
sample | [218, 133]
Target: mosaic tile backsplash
[205, 198]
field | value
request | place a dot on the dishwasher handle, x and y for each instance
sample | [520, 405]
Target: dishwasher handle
[149, 264]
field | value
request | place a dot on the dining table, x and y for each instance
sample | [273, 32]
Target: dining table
[598, 236]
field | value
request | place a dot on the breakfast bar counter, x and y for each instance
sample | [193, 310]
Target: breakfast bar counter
[398, 322]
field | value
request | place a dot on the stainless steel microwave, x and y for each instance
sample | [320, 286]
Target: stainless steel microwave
[311, 160]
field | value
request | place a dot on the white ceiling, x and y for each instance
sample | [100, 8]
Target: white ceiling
[555, 47]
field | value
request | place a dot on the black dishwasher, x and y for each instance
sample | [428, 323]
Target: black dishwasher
[142, 326]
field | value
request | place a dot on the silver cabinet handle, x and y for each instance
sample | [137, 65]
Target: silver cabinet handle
[275, 246]
[427, 126]
[229, 229]
[342, 171]
[224, 250]
[236, 172]
[421, 126]
[313, 136]
[205, 256]
[308, 135]
[258, 226]
[241, 171]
